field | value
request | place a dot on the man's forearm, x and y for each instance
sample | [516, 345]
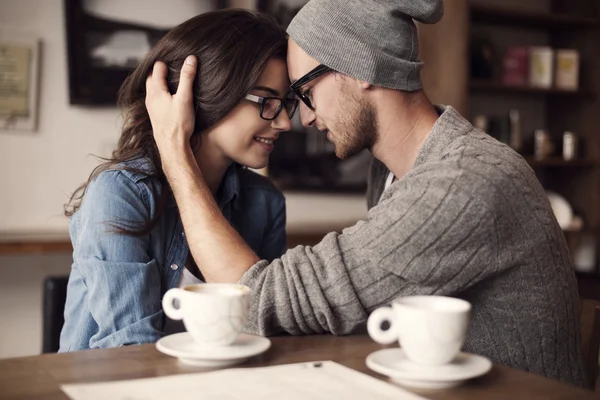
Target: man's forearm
[221, 254]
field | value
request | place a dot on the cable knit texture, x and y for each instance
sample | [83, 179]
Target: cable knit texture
[469, 220]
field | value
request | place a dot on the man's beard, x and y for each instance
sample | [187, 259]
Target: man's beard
[356, 130]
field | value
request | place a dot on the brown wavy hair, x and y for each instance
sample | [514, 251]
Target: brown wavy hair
[232, 48]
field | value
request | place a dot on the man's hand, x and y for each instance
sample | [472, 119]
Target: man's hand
[219, 251]
[172, 116]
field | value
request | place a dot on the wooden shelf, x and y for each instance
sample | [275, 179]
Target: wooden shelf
[529, 19]
[559, 162]
[580, 232]
[480, 85]
[590, 276]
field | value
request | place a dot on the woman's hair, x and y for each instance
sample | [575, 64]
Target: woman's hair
[232, 48]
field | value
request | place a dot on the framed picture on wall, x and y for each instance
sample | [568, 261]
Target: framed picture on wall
[106, 40]
[19, 75]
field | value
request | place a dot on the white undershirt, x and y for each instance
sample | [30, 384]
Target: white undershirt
[187, 278]
[388, 182]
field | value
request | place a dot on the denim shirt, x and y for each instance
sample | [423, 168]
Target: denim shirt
[117, 281]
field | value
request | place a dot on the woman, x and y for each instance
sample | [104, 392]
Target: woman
[128, 240]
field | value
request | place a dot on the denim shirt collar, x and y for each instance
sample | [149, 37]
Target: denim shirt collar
[230, 188]
[142, 164]
[229, 191]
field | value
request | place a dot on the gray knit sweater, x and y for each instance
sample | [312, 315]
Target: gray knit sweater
[469, 220]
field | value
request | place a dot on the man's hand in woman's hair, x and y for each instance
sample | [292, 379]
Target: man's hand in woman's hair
[172, 115]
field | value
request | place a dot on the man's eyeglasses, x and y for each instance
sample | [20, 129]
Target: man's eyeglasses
[271, 107]
[310, 76]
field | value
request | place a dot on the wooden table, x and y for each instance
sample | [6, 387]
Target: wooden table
[39, 377]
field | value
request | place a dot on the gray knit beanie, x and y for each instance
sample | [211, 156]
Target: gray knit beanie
[372, 40]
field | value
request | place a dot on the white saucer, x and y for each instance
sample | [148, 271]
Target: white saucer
[394, 364]
[182, 346]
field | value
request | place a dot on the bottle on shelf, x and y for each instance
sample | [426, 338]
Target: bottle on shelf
[567, 69]
[543, 146]
[569, 146]
[541, 67]
[515, 141]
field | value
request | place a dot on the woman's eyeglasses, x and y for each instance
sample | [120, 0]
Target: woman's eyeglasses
[310, 76]
[271, 107]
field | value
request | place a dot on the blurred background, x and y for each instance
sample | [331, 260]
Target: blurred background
[525, 71]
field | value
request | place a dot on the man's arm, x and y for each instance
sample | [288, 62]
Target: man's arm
[219, 251]
[426, 237]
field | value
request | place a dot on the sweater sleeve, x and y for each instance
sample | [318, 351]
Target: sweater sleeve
[426, 236]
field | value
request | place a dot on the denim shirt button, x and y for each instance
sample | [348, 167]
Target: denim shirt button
[174, 267]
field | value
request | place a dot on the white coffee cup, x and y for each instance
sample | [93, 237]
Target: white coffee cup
[213, 313]
[430, 329]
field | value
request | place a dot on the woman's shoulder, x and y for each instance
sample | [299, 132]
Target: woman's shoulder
[136, 169]
[130, 171]
[128, 180]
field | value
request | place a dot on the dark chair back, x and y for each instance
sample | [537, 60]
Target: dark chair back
[53, 308]
[590, 334]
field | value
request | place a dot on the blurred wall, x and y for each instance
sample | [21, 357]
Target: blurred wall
[39, 169]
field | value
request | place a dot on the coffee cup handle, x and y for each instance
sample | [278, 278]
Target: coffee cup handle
[374, 322]
[167, 303]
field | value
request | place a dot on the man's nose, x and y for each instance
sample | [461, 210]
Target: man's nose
[307, 116]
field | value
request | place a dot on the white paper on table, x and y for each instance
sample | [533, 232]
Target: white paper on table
[323, 380]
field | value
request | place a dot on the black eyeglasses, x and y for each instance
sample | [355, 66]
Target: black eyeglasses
[310, 76]
[270, 107]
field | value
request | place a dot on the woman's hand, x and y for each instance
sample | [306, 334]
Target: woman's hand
[172, 116]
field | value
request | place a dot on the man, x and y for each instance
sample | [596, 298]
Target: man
[461, 214]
